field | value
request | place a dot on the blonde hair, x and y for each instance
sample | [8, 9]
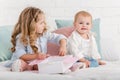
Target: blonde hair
[82, 13]
[26, 27]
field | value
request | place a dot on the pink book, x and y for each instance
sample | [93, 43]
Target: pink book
[36, 61]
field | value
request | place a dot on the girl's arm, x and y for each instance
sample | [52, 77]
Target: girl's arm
[62, 50]
[58, 39]
[54, 38]
[22, 54]
[28, 57]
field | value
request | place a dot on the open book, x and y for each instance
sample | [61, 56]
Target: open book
[56, 64]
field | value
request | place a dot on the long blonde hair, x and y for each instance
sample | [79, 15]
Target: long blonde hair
[26, 27]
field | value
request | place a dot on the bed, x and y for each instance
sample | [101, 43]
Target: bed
[110, 71]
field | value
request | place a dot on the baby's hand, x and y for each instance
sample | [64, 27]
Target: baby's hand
[62, 51]
[87, 63]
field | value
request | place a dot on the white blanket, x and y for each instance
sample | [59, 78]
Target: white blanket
[110, 71]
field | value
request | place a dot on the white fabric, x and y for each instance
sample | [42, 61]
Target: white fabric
[110, 71]
[80, 47]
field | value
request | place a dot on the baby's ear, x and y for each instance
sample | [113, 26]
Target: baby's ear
[74, 24]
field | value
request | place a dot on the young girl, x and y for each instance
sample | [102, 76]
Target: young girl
[30, 38]
[82, 43]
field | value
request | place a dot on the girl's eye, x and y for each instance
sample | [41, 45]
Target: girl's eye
[87, 23]
[41, 22]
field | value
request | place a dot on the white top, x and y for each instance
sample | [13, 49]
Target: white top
[79, 47]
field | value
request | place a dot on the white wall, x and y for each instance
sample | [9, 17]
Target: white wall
[107, 10]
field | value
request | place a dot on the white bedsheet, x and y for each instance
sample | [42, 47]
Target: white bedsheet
[111, 71]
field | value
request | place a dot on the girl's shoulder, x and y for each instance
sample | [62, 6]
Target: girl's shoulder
[47, 33]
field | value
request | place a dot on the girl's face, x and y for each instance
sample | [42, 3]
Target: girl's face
[83, 24]
[40, 25]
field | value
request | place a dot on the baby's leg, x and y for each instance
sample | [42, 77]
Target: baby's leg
[94, 63]
[101, 62]
[77, 66]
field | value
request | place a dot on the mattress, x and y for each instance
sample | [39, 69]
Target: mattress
[110, 71]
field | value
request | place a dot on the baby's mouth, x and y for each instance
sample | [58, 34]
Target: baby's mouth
[83, 28]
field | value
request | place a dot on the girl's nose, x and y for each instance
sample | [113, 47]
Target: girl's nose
[44, 24]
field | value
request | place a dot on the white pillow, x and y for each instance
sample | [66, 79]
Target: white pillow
[110, 37]
[110, 49]
[51, 24]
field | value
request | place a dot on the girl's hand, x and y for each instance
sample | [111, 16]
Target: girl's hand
[42, 56]
[62, 51]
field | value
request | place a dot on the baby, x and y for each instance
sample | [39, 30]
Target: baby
[82, 43]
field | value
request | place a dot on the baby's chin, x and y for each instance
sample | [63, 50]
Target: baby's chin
[83, 31]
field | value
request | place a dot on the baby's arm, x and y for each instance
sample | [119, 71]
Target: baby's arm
[96, 54]
[73, 47]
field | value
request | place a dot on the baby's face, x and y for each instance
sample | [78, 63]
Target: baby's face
[83, 24]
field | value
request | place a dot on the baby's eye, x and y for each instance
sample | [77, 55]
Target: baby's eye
[87, 23]
[80, 23]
